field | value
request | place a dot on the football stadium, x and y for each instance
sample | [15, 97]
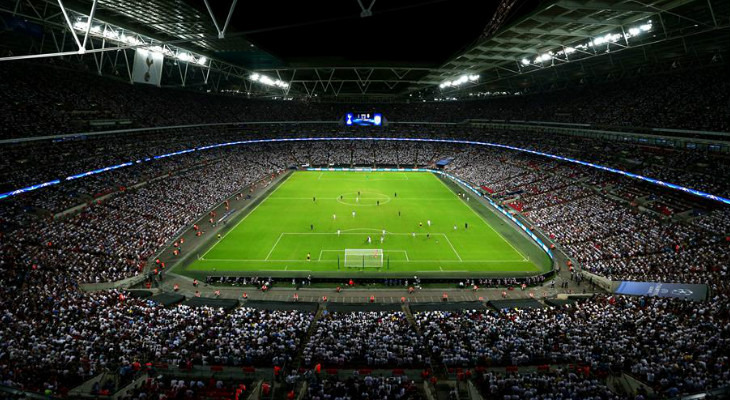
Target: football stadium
[401, 200]
[425, 221]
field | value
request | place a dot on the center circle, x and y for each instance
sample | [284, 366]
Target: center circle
[364, 199]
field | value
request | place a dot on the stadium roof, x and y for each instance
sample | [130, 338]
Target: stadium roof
[423, 48]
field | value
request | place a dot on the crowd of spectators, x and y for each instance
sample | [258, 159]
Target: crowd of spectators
[366, 338]
[614, 239]
[249, 336]
[113, 239]
[673, 346]
[558, 384]
[49, 104]
[599, 218]
[361, 388]
[499, 170]
[54, 335]
[160, 388]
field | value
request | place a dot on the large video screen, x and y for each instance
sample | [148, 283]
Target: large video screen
[364, 119]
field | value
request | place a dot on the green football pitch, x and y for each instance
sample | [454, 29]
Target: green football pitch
[429, 229]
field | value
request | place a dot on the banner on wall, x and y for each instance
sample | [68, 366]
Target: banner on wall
[695, 292]
[147, 67]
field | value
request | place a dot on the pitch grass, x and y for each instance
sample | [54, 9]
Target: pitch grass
[302, 216]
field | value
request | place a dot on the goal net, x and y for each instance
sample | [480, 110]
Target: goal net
[363, 258]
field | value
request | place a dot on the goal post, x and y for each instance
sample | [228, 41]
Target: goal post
[363, 258]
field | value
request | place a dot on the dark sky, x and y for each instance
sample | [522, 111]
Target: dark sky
[400, 32]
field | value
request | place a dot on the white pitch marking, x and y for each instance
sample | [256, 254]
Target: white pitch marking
[452, 246]
[247, 215]
[363, 229]
[393, 261]
[272, 247]
[485, 222]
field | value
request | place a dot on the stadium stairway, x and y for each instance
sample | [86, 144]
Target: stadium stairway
[312, 328]
[279, 389]
[438, 368]
[410, 318]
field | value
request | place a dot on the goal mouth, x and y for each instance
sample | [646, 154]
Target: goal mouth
[363, 258]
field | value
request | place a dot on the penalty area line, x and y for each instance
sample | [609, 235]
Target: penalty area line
[481, 218]
[247, 215]
[273, 247]
[452, 246]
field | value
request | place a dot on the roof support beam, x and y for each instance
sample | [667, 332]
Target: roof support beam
[569, 20]
[71, 27]
[221, 32]
[600, 5]
[551, 32]
[489, 50]
[88, 24]
[488, 56]
[529, 42]
[366, 12]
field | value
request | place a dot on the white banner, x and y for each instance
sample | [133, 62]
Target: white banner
[147, 67]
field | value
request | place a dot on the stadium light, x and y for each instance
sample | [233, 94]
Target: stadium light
[256, 77]
[590, 46]
[131, 40]
[187, 57]
[110, 34]
[543, 57]
[459, 81]
[125, 37]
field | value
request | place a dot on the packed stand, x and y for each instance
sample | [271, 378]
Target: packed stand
[361, 388]
[48, 104]
[368, 339]
[606, 335]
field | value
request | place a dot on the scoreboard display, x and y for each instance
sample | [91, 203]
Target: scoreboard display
[364, 119]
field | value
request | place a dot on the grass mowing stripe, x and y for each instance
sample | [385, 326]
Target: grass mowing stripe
[452, 246]
[409, 211]
[487, 223]
[274, 246]
[391, 251]
[246, 216]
